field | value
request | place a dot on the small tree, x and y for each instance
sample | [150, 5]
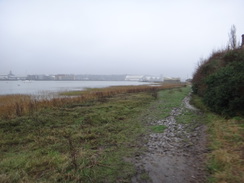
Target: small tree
[232, 38]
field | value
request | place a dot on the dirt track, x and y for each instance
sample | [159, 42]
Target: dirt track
[177, 154]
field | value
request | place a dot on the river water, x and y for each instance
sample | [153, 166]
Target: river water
[45, 87]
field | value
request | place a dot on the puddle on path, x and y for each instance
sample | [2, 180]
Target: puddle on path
[176, 155]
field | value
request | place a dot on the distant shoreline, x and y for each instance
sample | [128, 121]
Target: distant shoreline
[38, 87]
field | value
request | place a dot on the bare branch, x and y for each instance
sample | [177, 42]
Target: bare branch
[232, 37]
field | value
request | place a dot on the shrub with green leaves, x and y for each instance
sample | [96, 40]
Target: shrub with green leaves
[220, 82]
[225, 94]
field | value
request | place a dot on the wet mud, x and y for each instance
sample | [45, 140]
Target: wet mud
[176, 155]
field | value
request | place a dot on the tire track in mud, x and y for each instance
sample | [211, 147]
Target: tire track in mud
[177, 154]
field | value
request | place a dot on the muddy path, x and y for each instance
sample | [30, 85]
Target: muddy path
[176, 155]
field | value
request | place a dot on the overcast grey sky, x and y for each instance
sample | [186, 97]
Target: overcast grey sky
[158, 37]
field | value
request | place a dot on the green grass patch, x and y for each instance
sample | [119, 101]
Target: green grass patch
[158, 128]
[197, 102]
[186, 117]
[167, 100]
[171, 98]
[191, 117]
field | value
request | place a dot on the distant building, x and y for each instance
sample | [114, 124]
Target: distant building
[32, 77]
[3, 77]
[40, 77]
[72, 77]
[90, 77]
[21, 78]
[11, 76]
[152, 79]
[65, 77]
[134, 77]
[171, 80]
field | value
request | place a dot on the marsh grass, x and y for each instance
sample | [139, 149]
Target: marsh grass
[72, 144]
[12, 106]
[73, 139]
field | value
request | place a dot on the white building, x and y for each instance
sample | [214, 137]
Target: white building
[134, 78]
[171, 80]
[3, 77]
[152, 79]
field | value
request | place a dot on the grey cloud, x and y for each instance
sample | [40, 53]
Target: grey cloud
[109, 37]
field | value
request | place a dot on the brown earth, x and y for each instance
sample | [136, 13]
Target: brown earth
[175, 156]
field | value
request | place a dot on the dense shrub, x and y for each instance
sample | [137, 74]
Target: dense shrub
[206, 68]
[233, 56]
[220, 81]
[224, 93]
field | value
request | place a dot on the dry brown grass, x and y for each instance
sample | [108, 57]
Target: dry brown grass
[10, 99]
[12, 106]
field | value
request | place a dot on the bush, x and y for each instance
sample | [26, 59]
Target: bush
[206, 68]
[220, 82]
[224, 93]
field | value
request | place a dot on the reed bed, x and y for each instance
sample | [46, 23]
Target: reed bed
[12, 106]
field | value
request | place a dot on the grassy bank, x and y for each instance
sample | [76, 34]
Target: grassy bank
[226, 144]
[74, 139]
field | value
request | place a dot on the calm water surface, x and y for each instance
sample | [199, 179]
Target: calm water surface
[46, 87]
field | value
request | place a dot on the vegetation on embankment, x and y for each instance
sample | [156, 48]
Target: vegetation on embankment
[218, 83]
[225, 159]
[219, 80]
[77, 139]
